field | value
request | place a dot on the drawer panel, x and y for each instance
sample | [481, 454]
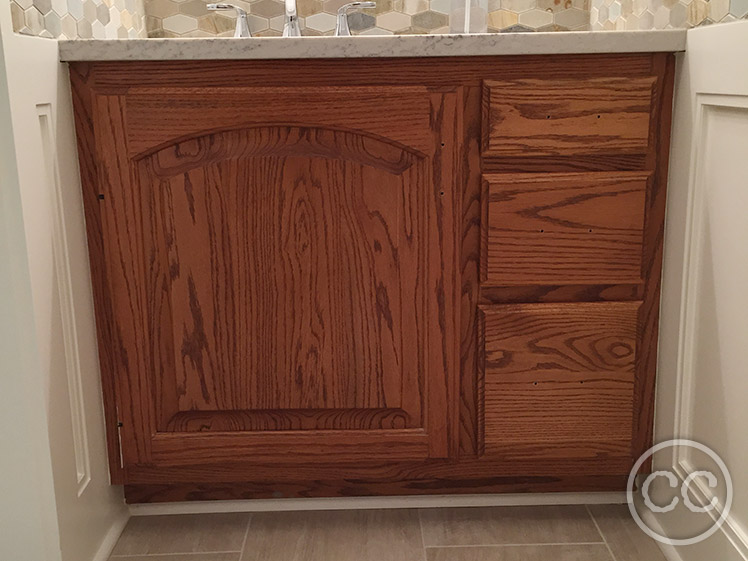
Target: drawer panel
[559, 378]
[563, 228]
[567, 117]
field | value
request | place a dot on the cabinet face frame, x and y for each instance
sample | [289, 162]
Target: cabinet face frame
[470, 474]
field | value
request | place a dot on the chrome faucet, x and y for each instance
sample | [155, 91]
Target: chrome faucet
[291, 27]
[242, 26]
[342, 29]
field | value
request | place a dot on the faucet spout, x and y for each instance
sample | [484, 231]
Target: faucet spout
[342, 29]
[291, 27]
[242, 25]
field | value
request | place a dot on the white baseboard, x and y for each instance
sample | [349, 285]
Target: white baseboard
[669, 551]
[111, 537]
[724, 544]
[357, 503]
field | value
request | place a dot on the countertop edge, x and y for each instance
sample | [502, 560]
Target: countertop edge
[398, 46]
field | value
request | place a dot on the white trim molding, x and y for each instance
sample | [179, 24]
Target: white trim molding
[706, 104]
[360, 503]
[111, 537]
[64, 282]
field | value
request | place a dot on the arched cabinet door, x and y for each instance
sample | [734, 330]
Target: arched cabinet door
[282, 265]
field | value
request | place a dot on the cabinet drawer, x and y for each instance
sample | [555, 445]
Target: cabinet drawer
[563, 228]
[567, 117]
[559, 378]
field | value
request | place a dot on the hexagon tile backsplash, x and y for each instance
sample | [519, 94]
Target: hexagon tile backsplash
[79, 19]
[664, 14]
[110, 19]
[189, 18]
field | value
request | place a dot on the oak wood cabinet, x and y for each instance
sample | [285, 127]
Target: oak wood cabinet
[381, 277]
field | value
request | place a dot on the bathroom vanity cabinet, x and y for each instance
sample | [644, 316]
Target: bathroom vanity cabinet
[375, 276]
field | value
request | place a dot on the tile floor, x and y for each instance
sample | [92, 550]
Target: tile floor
[547, 533]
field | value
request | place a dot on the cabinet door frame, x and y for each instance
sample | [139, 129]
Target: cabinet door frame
[140, 442]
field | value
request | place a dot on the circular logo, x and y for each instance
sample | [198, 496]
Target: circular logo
[712, 482]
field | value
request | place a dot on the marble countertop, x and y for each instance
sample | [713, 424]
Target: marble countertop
[221, 48]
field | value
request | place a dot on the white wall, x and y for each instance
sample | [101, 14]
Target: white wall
[703, 372]
[90, 511]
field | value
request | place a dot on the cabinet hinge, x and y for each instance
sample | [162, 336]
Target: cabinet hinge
[119, 443]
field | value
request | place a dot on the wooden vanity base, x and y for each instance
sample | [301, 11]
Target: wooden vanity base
[320, 278]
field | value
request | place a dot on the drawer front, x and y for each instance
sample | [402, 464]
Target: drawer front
[559, 378]
[563, 228]
[567, 117]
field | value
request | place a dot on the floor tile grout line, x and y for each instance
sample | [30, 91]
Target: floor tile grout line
[600, 531]
[548, 544]
[246, 535]
[423, 539]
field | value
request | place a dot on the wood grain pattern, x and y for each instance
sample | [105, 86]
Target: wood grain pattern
[563, 228]
[424, 484]
[471, 401]
[158, 116]
[120, 76]
[126, 269]
[654, 233]
[424, 475]
[80, 77]
[549, 117]
[394, 118]
[559, 293]
[280, 268]
[293, 282]
[559, 377]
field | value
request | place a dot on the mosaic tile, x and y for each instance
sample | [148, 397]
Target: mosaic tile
[44, 6]
[84, 29]
[518, 6]
[268, 8]
[665, 14]
[332, 6]
[393, 21]
[158, 18]
[678, 16]
[536, 18]
[376, 31]
[383, 6]
[719, 9]
[306, 7]
[360, 21]
[739, 8]
[517, 29]
[69, 30]
[501, 19]
[17, 16]
[413, 7]
[193, 8]
[180, 23]
[321, 22]
[53, 24]
[430, 20]
[572, 18]
[551, 5]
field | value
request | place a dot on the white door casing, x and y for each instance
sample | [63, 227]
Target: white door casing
[702, 378]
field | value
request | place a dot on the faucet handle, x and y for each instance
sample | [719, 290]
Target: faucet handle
[242, 26]
[342, 29]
